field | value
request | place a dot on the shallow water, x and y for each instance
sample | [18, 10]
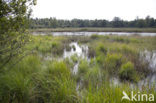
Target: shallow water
[90, 33]
[150, 80]
[80, 51]
[150, 57]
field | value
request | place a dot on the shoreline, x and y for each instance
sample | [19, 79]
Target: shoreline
[131, 30]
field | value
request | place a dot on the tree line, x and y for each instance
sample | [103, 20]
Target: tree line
[116, 22]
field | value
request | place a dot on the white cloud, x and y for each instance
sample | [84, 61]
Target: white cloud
[95, 9]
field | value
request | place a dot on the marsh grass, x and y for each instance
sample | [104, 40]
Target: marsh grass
[49, 45]
[35, 80]
[127, 72]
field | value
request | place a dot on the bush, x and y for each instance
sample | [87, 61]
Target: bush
[94, 36]
[57, 48]
[127, 72]
[100, 60]
[121, 39]
[101, 49]
[113, 63]
[74, 58]
[91, 52]
[44, 47]
[83, 67]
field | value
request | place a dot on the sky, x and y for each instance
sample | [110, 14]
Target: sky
[94, 9]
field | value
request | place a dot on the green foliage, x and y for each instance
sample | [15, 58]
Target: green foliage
[101, 49]
[74, 58]
[83, 67]
[100, 60]
[15, 87]
[14, 15]
[16, 84]
[94, 36]
[93, 75]
[127, 72]
[113, 62]
[91, 52]
[55, 84]
[48, 45]
[29, 65]
[116, 22]
[55, 90]
[121, 39]
[58, 69]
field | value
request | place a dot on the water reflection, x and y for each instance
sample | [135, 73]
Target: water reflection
[149, 57]
[76, 49]
[80, 51]
[150, 80]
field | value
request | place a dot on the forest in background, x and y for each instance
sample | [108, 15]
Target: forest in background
[148, 22]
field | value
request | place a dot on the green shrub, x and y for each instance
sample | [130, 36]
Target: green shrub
[44, 47]
[127, 72]
[101, 49]
[134, 40]
[91, 52]
[127, 50]
[69, 63]
[94, 36]
[113, 62]
[74, 58]
[100, 60]
[57, 48]
[83, 67]
[121, 39]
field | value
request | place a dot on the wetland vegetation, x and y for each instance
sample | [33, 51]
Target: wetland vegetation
[46, 75]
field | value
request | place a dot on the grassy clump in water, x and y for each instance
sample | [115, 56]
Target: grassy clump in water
[94, 36]
[127, 72]
[112, 63]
